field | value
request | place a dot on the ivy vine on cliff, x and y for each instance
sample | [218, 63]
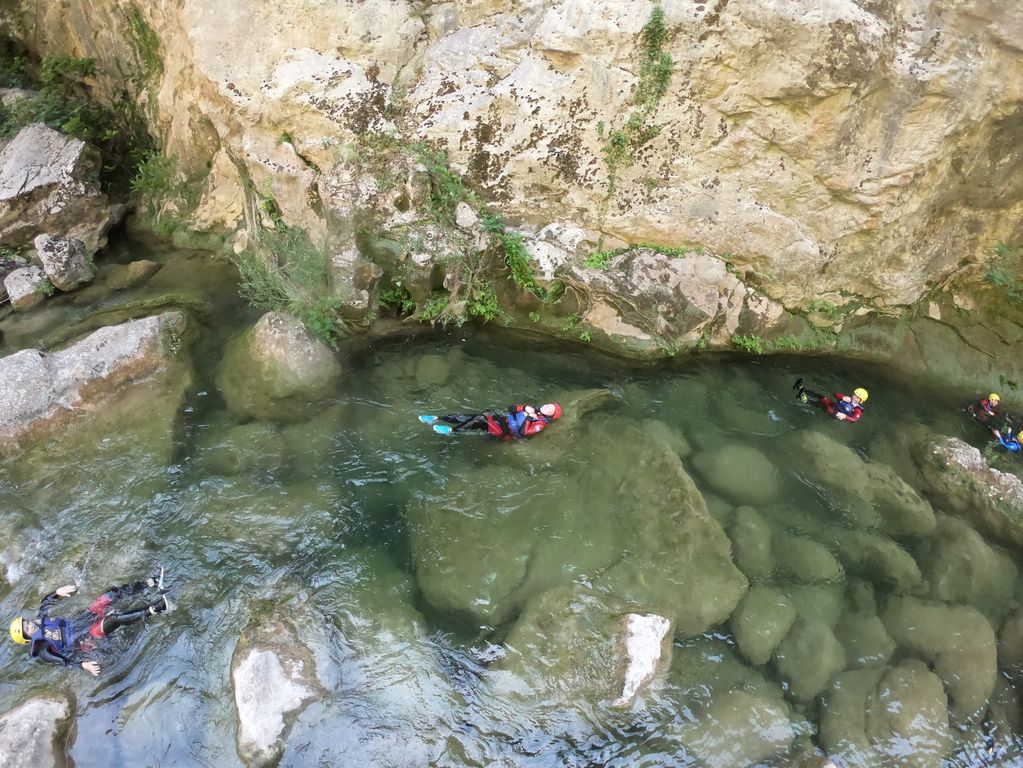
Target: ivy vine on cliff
[655, 70]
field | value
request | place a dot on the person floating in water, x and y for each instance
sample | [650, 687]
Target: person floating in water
[519, 421]
[987, 409]
[66, 641]
[1008, 439]
[839, 406]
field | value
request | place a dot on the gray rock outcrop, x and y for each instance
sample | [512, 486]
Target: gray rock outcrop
[45, 392]
[645, 651]
[32, 733]
[64, 261]
[275, 370]
[48, 185]
[958, 476]
[25, 287]
[274, 678]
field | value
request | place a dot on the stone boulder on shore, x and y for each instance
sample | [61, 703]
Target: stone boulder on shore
[49, 183]
[959, 478]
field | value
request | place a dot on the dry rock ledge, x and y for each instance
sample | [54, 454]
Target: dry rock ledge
[31, 733]
[44, 392]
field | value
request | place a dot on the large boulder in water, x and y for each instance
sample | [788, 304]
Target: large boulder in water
[871, 494]
[956, 640]
[274, 678]
[864, 638]
[908, 708]
[960, 567]
[960, 481]
[877, 558]
[275, 370]
[571, 643]
[34, 732]
[751, 543]
[801, 559]
[739, 728]
[760, 622]
[44, 393]
[677, 560]
[808, 657]
[48, 184]
[739, 473]
[881, 716]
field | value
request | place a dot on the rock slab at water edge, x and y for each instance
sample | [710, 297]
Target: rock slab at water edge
[274, 678]
[31, 734]
[44, 392]
[959, 479]
[25, 287]
[646, 641]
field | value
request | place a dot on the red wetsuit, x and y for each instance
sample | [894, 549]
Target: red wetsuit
[839, 405]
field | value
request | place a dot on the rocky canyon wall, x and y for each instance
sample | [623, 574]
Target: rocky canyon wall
[856, 150]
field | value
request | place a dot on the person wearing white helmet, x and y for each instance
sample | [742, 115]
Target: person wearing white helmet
[848, 408]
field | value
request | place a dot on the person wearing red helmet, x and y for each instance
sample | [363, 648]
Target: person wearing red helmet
[517, 422]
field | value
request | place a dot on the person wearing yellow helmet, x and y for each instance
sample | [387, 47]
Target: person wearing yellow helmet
[65, 641]
[848, 408]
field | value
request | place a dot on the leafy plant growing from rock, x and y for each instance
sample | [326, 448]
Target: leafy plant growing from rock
[656, 65]
[1003, 268]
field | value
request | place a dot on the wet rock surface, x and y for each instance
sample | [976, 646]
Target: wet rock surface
[64, 261]
[274, 371]
[44, 392]
[33, 732]
[274, 678]
[959, 478]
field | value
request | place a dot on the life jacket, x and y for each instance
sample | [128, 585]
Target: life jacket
[847, 408]
[53, 632]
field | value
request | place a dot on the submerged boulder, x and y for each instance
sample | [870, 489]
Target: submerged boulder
[864, 638]
[1010, 644]
[960, 481]
[880, 716]
[872, 494]
[64, 261]
[49, 183]
[274, 678]
[25, 287]
[805, 560]
[276, 369]
[571, 643]
[760, 622]
[956, 640]
[43, 392]
[33, 733]
[739, 728]
[877, 558]
[960, 567]
[808, 657]
[751, 543]
[739, 473]
[907, 717]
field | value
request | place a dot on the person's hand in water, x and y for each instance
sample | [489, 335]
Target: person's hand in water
[67, 590]
[91, 667]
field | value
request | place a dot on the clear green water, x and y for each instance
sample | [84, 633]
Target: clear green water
[322, 520]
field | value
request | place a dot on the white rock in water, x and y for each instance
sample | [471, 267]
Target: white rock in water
[265, 694]
[24, 286]
[643, 640]
[30, 733]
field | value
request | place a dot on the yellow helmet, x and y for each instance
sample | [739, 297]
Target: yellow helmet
[18, 631]
[861, 393]
[994, 397]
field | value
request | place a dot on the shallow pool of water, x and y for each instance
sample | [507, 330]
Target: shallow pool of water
[415, 566]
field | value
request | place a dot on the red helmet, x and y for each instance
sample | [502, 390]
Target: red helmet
[551, 411]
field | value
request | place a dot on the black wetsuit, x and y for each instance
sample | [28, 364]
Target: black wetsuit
[514, 423]
[63, 641]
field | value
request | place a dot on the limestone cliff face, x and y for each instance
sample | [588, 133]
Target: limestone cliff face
[840, 147]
